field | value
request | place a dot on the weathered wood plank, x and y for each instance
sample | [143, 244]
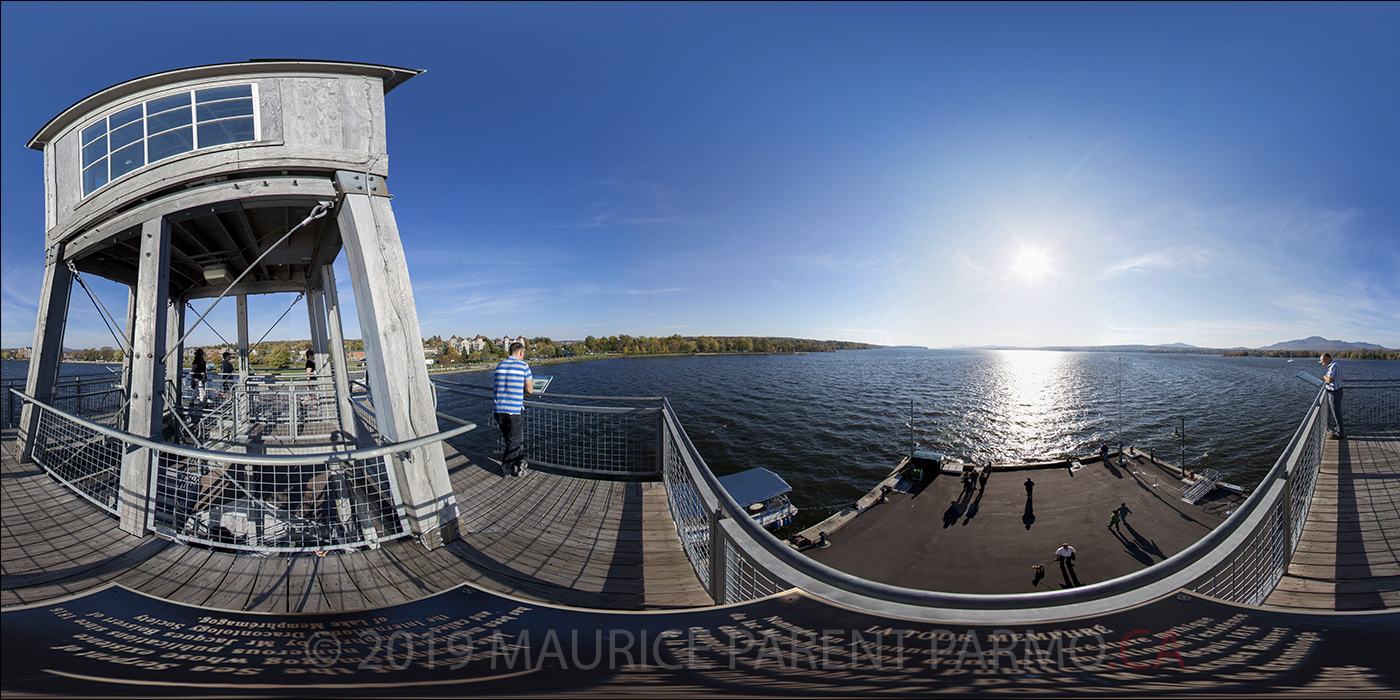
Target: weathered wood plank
[241, 574]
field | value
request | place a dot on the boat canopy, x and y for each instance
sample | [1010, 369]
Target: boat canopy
[755, 485]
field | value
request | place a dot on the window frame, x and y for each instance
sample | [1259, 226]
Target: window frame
[193, 125]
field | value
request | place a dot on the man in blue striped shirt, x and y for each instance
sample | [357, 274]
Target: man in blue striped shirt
[513, 381]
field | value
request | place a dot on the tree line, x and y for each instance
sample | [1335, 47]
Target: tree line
[545, 347]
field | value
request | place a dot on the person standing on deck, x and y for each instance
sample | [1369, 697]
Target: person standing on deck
[1103, 454]
[199, 371]
[228, 371]
[1332, 382]
[1030, 487]
[513, 381]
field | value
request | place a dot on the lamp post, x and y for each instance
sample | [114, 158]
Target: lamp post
[1181, 435]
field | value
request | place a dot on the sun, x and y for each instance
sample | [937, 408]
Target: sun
[1032, 264]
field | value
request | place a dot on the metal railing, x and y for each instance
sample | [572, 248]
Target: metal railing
[253, 502]
[98, 397]
[1262, 555]
[600, 440]
[1240, 561]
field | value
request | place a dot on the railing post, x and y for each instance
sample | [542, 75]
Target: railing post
[718, 560]
[661, 441]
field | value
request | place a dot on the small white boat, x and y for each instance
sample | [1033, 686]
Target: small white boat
[763, 494]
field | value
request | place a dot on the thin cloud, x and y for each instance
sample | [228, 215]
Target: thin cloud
[826, 262]
[1179, 259]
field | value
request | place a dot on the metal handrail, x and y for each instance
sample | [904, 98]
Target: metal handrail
[261, 460]
[1179, 571]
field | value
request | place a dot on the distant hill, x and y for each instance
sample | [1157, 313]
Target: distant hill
[1318, 344]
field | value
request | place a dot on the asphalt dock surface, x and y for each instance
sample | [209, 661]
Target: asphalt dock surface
[936, 537]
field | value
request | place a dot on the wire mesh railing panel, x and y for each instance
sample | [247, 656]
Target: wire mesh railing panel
[1371, 406]
[84, 459]
[688, 511]
[102, 406]
[1257, 566]
[10, 404]
[744, 580]
[614, 440]
[588, 440]
[1303, 477]
[239, 413]
[98, 397]
[278, 507]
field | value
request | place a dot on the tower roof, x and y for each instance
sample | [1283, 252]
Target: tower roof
[391, 75]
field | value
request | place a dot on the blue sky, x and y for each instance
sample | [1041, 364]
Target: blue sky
[928, 174]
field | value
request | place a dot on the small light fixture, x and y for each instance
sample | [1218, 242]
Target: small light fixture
[217, 274]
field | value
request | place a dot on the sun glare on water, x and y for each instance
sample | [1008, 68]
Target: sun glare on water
[1032, 264]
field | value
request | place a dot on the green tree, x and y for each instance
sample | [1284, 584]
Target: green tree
[278, 356]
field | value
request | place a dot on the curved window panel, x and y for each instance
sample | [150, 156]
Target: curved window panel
[228, 108]
[164, 103]
[95, 151]
[227, 131]
[126, 116]
[223, 93]
[131, 133]
[95, 131]
[170, 143]
[167, 126]
[167, 120]
[128, 159]
[95, 176]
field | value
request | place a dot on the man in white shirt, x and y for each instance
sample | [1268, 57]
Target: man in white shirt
[1332, 382]
[1066, 556]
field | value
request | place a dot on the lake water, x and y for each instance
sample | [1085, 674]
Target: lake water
[834, 424]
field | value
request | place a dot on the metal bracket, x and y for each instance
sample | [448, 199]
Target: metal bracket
[347, 182]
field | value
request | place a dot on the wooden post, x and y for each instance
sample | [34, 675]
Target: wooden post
[47, 350]
[404, 402]
[129, 356]
[175, 330]
[337, 350]
[243, 362]
[316, 313]
[145, 413]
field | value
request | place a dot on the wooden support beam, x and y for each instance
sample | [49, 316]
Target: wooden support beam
[337, 349]
[146, 410]
[48, 345]
[398, 376]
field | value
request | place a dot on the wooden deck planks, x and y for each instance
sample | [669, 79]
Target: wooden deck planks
[546, 536]
[1348, 555]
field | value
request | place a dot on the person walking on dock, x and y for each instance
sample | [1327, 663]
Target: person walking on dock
[1332, 382]
[1114, 519]
[513, 381]
[982, 480]
[1030, 488]
[1065, 554]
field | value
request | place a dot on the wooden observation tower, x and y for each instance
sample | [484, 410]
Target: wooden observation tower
[226, 181]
